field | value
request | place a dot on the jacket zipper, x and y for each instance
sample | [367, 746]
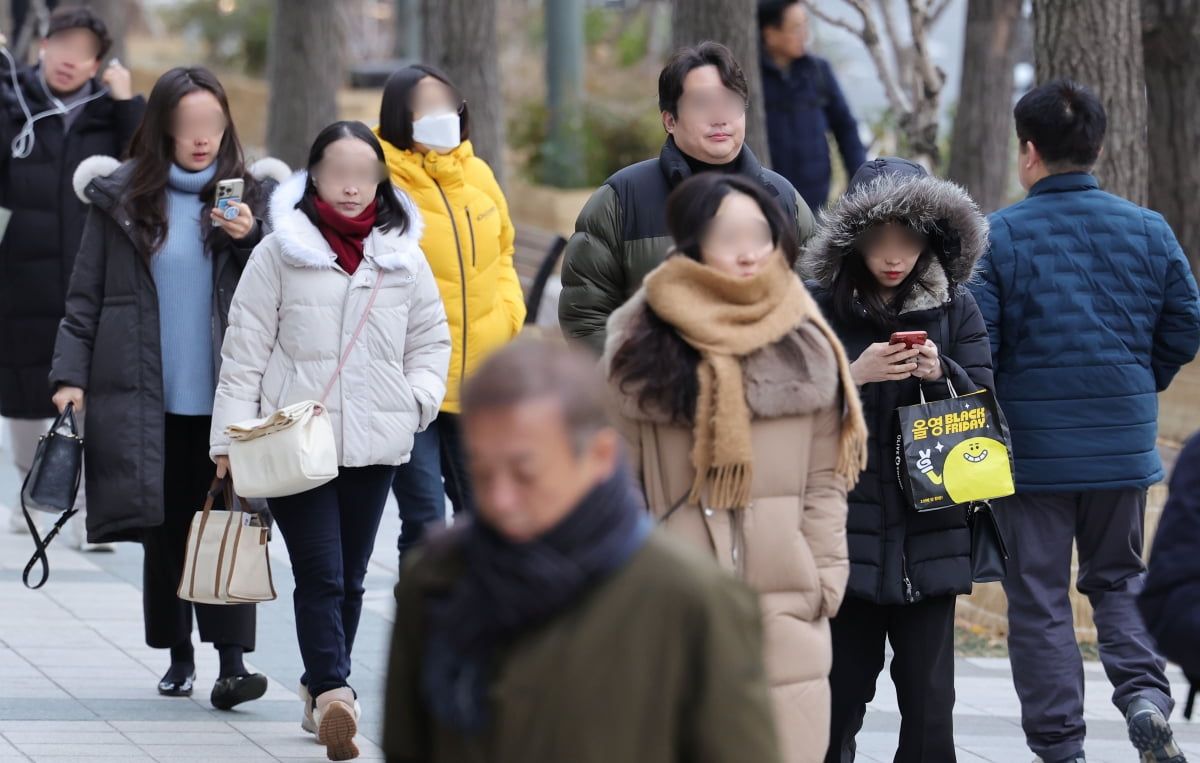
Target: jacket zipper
[910, 595]
[462, 272]
[471, 230]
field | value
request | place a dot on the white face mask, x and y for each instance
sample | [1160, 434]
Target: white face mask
[438, 132]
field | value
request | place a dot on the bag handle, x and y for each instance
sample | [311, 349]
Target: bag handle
[945, 378]
[224, 485]
[41, 544]
[354, 338]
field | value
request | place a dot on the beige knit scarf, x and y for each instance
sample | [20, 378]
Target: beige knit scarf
[726, 318]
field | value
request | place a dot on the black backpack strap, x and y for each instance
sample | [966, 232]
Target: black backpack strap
[39, 554]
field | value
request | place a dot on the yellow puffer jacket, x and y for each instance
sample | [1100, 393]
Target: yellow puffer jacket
[468, 242]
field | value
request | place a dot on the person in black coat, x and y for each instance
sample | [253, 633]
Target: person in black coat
[893, 255]
[52, 116]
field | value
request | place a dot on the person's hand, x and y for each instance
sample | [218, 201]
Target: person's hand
[119, 81]
[929, 363]
[882, 362]
[240, 226]
[222, 467]
[66, 395]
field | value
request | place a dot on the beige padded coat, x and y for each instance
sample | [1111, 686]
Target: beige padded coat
[293, 315]
[790, 545]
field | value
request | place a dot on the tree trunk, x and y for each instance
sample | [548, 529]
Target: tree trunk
[734, 24]
[304, 68]
[981, 139]
[116, 15]
[1100, 45]
[1171, 33]
[459, 36]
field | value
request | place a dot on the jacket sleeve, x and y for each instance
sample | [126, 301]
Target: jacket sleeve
[509, 291]
[1177, 333]
[842, 124]
[967, 360]
[72, 362]
[427, 346]
[992, 287]
[1170, 601]
[406, 733]
[249, 342]
[825, 509]
[127, 116]
[806, 226]
[593, 274]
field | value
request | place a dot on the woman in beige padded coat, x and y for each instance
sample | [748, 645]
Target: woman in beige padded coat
[736, 400]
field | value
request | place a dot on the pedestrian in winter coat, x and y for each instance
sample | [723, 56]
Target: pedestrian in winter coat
[1171, 600]
[424, 125]
[144, 320]
[804, 104]
[893, 255]
[558, 625]
[38, 158]
[343, 235]
[737, 402]
[621, 234]
[1091, 309]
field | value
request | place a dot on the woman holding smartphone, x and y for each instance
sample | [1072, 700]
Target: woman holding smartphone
[889, 264]
[140, 345]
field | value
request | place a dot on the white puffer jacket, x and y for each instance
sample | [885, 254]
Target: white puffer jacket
[293, 314]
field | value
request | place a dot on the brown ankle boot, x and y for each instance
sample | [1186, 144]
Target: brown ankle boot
[337, 723]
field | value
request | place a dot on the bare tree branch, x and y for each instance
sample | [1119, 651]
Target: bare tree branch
[896, 95]
[832, 20]
[931, 77]
[893, 32]
[935, 13]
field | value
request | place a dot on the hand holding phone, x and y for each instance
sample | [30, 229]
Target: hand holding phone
[229, 191]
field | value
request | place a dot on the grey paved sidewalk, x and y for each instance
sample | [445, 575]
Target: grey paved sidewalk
[77, 682]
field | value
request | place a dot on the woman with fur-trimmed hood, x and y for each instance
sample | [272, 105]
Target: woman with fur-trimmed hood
[737, 402]
[893, 255]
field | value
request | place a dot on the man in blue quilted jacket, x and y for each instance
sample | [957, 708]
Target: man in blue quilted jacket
[1092, 310]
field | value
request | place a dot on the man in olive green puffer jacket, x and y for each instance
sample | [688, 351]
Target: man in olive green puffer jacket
[621, 234]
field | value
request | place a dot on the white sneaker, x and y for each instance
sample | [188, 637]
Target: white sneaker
[16, 522]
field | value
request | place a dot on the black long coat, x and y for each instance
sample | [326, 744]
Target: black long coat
[109, 344]
[38, 250]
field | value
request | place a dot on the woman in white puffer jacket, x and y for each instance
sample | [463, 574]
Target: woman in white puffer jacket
[337, 228]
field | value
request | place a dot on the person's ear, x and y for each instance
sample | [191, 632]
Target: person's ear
[604, 451]
[669, 121]
[1032, 157]
[42, 51]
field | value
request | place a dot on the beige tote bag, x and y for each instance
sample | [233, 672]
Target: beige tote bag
[227, 559]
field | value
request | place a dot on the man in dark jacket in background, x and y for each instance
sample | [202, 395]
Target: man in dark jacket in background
[804, 103]
[561, 626]
[55, 115]
[621, 234]
[1091, 309]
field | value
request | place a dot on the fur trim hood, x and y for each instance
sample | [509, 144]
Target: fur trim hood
[938, 208]
[303, 245]
[100, 166]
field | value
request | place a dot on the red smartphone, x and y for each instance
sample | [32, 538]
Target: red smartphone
[910, 339]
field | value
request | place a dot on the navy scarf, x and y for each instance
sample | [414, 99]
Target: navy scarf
[510, 588]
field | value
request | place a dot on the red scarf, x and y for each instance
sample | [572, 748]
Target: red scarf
[345, 234]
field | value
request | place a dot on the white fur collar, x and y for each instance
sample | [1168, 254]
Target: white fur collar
[303, 245]
[99, 165]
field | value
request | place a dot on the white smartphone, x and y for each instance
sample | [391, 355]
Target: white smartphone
[228, 190]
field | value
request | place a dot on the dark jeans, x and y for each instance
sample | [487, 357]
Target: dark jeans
[330, 534]
[420, 492]
[922, 637]
[1107, 527]
[188, 474]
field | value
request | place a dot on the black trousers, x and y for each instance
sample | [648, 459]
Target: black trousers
[922, 637]
[188, 475]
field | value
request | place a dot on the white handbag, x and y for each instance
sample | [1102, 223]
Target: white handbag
[227, 560]
[292, 450]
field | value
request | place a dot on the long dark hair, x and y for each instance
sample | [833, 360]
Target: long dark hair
[855, 290]
[396, 114]
[654, 359]
[153, 152]
[390, 212]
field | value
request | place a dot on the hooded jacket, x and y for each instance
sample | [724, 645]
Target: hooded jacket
[468, 242]
[292, 319]
[621, 235]
[109, 344]
[898, 556]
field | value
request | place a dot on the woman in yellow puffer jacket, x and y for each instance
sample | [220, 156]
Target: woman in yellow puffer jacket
[468, 241]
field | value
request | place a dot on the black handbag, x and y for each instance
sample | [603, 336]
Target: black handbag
[989, 554]
[52, 484]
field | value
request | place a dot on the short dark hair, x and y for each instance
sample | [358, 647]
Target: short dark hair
[390, 212]
[1065, 121]
[770, 12]
[670, 81]
[78, 17]
[535, 369]
[396, 113]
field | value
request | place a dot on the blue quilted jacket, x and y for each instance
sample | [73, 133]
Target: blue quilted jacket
[1091, 309]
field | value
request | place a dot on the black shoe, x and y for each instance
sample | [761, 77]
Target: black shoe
[172, 687]
[1151, 734]
[229, 692]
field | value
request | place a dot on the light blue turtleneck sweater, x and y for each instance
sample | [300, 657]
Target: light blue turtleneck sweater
[183, 273]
